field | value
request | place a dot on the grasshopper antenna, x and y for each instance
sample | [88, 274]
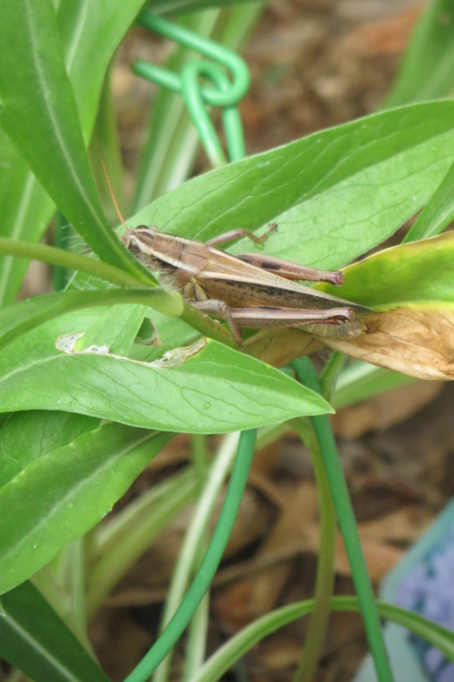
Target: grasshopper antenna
[111, 190]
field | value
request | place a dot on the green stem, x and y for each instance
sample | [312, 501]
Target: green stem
[185, 564]
[325, 568]
[331, 373]
[208, 567]
[71, 261]
[196, 644]
[60, 274]
[349, 530]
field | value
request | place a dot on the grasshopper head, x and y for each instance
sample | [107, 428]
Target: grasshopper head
[139, 240]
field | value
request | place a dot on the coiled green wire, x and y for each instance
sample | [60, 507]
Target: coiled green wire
[223, 92]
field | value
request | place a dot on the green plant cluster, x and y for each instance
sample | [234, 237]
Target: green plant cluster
[85, 404]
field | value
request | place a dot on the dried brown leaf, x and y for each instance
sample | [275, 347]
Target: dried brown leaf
[418, 341]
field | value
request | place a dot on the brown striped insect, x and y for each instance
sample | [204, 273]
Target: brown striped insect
[250, 290]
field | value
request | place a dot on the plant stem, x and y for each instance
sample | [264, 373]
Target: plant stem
[71, 261]
[348, 527]
[325, 568]
[208, 567]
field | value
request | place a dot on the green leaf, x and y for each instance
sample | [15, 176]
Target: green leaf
[57, 498]
[39, 113]
[438, 213]
[85, 31]
[334, 194]
[22, 317]
[211, 390]
[180, 6]
[35, 640]
[128, 534]
[409, 273]
[238, 645]
[25, 209]
[24, 206]
[360, 381]
[427, 71]
[28, 436]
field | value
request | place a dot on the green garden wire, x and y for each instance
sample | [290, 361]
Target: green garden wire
[223, 92]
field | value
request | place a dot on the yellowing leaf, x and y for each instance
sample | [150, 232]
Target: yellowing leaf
[416, 340]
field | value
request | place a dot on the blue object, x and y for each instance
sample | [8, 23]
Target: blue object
[423, 582]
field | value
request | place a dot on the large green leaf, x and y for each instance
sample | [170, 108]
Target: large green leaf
[211, 390]
[40, 115]
[57, 498]
[410, 273]
[334, 194]
[25, 207]
[35, 640]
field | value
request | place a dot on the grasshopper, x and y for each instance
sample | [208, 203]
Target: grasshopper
[250, 290]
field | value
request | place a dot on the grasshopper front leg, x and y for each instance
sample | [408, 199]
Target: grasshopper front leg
[222, 311]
